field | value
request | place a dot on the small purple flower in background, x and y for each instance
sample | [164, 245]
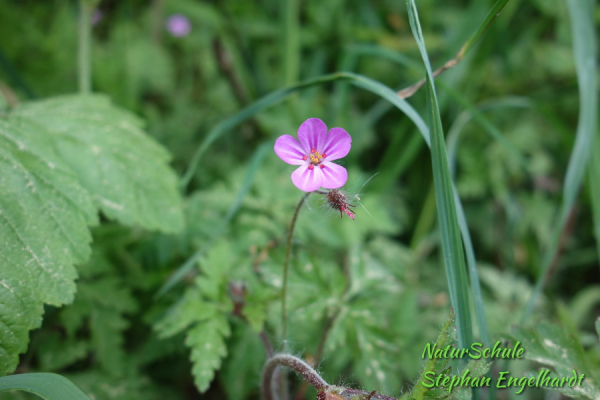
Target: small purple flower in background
[314, 152]
[178, 25]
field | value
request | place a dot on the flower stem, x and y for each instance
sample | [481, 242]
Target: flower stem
[294, 363]
[286, 266]
[86, 9]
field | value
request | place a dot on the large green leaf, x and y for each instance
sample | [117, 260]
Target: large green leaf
[61, 160]
[44, 214]
[125, 170]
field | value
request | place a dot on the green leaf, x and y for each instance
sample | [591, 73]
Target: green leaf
[47, 386]
[104, 315]
[55, 353]
[206, 328]
[208, 346]
[558, 347]
[44, 214]
[124, 169]
[436, 366]
[452, 246]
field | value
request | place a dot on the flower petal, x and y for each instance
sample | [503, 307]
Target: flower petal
[312, 134]
[289, 150]
[337, 144]
[306, 179]
[334, 175]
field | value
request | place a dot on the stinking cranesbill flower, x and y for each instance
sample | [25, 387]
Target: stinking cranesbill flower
[314, 152]
[179, 25]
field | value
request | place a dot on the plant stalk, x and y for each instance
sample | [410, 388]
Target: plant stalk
[86, 9]
[286, 266]
[295, 363]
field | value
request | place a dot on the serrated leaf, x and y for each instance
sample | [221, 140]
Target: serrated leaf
[556, 346]
[124, 169]
[55, 353]
[189, 309]
[206, 340]
[104, 314]
[44, 214]
[436, 366]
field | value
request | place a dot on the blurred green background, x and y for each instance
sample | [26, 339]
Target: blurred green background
[520, 77]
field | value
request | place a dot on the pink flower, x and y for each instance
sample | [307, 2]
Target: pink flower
[314, 152]
[179, 25]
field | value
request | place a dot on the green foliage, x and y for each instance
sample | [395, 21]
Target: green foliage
[557, 346]
[53, 180]
[44, 214]
[452, 244]
[113, 159]
[366, 295]
[200, 313]
[433, 367]
[44, 385]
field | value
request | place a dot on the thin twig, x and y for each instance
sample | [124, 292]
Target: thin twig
[286, 266]
[11, 98]
[409, 91]
[267, 343]
[226, 65]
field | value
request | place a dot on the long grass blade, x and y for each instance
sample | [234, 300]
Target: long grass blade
[44, 385]
[585, 51]
[452, 246]
[594, 184]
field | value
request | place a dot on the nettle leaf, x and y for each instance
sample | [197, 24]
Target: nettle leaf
[436, 366]
[558, 347]
[44, 218]
[123, 168]
[60, 160]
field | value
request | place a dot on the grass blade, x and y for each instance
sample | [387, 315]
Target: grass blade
[584, 48]
[452, 247]
[281, 94]
[594, 184]
[45, 385]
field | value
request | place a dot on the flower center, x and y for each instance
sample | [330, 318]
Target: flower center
[315, 159]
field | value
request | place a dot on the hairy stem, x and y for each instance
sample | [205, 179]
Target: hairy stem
[369, 395]
[295, 363]
[286, 266]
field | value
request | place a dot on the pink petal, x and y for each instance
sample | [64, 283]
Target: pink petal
[306, 179]
[312, 134]
[337, 144]
[289, 150]
[334, 176]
